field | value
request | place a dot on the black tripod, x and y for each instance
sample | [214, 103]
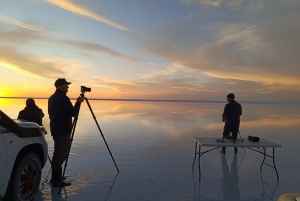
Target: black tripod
[72, 136]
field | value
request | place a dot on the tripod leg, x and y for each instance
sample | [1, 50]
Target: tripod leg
[69, 148]
[101, 132]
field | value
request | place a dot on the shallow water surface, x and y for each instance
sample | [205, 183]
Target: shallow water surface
[152, 144]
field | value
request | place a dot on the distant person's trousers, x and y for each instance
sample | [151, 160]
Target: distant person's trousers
[61, 146]
[231, 126]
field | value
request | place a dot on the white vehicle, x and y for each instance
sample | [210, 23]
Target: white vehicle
[23, 154]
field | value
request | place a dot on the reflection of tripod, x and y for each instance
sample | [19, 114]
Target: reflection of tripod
[72, 136]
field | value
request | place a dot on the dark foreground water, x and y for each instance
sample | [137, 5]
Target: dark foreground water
[153, 146]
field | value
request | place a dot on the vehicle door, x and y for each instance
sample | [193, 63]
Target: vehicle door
[2, 158]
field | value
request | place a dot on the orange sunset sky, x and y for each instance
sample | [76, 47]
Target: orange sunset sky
[171, 49]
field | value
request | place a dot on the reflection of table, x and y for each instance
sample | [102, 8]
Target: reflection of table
[212, 142]
[232, 181]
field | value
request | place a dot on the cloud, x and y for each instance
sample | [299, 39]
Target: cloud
[262, 52]
[191, 79]
[199, 90]
[251, 5]
[97, 48]
[255, 55]
[211, 2]
[234, 3]
[110, 80]
[264, 79]
[20, 24]
[49, 67]
[69, 6]
[159, 88]
[21, 37]
[265, 54]
[111, 85]
[168, 70]
[215, 3]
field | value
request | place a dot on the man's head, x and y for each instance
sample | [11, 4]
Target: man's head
[30, 101]
[62, 84]
[230, 97]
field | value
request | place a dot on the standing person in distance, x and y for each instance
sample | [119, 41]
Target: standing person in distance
[31, 112]
[61, 111]
[231, 117]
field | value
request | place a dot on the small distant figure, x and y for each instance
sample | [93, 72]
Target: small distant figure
[32, 112]
[231, 117]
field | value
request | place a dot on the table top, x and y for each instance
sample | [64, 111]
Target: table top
[212, 142]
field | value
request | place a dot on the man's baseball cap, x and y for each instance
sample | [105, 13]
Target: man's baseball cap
[30, 101]
[61, 81]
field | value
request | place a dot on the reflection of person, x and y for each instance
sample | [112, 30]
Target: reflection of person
[231, 117]
[58, 196]
[61, 111]
[31, 112]
[230, 180]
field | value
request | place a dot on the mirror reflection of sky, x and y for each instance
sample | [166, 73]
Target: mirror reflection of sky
[152, 143]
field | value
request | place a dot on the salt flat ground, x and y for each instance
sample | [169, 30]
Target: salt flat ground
[152, 144]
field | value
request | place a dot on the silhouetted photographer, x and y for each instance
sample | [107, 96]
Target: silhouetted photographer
[82, 97]
[61, 111]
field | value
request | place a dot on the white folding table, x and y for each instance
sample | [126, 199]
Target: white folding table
[243, 142]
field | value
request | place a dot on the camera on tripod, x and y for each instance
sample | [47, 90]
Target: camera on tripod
[85, 89]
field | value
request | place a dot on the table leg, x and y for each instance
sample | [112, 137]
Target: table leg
[198, 148]
[275, 165]
[263, 162]
[199, 162]
[264, 158]
[195, 156]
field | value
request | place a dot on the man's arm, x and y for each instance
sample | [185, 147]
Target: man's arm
[224, 116]
[68, 108]
[241, 110]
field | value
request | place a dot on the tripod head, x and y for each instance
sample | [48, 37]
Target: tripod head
[84, 89]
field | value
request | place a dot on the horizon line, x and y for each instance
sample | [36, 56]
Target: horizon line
[166, 100]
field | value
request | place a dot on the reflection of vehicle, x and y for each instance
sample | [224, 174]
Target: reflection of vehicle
[23, 154]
